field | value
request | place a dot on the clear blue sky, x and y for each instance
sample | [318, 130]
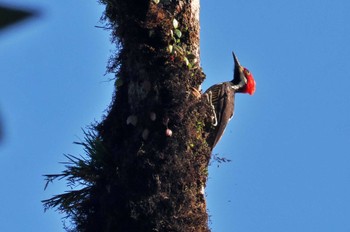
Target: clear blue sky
[289, 143]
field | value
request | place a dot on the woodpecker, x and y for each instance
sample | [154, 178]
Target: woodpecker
[221, 98]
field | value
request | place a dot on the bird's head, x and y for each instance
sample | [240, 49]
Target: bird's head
[243, 78]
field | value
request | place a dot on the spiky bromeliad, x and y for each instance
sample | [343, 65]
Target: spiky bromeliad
[221, 97]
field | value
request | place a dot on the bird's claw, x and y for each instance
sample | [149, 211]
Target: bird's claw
[210, 101]
[196, 92]
[209, 96]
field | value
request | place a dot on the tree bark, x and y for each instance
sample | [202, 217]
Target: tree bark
[150, 167]
[154, 129]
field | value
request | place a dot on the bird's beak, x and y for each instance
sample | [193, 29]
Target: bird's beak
[236, 60]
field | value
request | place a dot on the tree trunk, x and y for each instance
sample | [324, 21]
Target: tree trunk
[151, 171]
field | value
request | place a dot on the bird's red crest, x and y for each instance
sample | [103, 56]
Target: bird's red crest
[250, 87]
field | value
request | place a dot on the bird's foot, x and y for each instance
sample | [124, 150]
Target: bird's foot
[213, 118]
[195, 92]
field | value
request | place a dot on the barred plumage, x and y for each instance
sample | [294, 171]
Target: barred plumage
[222, 100]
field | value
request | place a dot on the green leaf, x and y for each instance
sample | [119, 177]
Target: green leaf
[170, 48]
[178, 49]
[156, 1]
[178, 33]
[175, 23]
[186, 61]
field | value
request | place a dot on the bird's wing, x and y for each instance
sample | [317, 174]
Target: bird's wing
[223, 100]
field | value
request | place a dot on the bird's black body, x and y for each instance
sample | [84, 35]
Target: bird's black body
[223, 99]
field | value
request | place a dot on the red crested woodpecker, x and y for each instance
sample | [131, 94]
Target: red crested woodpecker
[221, 97]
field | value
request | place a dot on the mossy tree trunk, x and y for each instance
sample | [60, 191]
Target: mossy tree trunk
[148, 158]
